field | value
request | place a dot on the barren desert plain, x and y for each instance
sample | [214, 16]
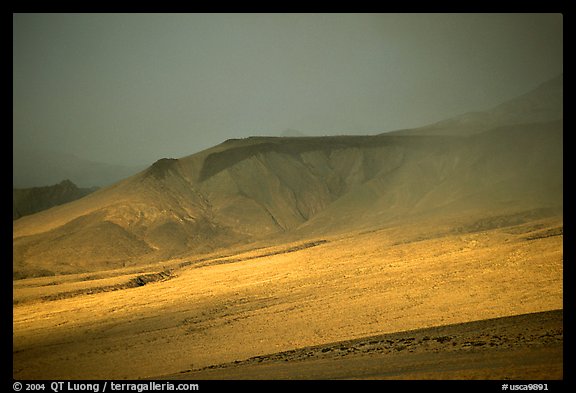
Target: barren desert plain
[260, 302]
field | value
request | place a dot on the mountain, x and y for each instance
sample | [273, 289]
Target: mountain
[37, 167]
[275, 189]
[543, 104]
[27, 201]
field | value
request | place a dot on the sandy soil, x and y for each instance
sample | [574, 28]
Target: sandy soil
[294, 296]
[521, 347]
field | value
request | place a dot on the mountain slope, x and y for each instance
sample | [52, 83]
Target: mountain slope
[265, 186]
[276, 189]
[509, 168]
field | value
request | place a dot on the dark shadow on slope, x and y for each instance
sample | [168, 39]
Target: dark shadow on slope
[135, 282]
[219, 161]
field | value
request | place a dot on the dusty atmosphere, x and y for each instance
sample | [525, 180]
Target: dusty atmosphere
[267, 245]
[402, 238]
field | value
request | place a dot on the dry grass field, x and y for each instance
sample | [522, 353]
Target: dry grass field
[184, 315]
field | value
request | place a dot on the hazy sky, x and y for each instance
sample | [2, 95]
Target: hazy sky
[133, 88]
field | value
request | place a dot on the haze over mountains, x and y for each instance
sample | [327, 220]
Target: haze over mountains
[40, 168]
[543, 104]
[507, 160]
[382, 256]
[27, 201]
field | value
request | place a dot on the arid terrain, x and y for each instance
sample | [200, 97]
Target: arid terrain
[279, 299]
[385, 256]
[520, 347]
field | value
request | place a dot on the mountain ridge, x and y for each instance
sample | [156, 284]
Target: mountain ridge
[26, 201]
[247, 190]
[542, 104]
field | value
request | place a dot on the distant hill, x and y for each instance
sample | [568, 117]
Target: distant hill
[278, 188]
[37, 167]
[27, 201]
[541, 105]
